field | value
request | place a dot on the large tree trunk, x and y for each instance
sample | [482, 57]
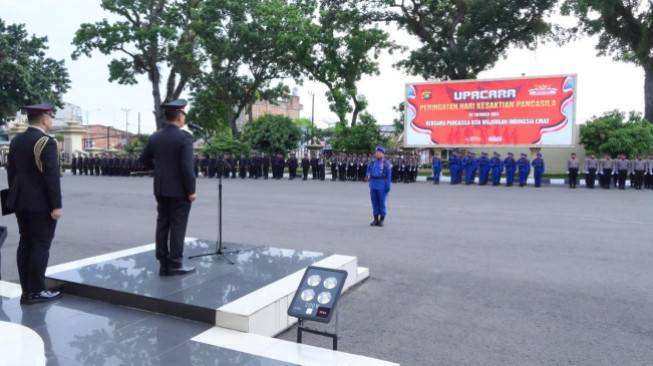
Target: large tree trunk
[357, 109]
[648, 94]
[156, 93]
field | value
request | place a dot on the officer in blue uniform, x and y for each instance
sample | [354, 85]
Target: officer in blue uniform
[454, 166]
[483, 169]
[510, 164]
[524, 167]
[496, 166]
[467, 167]
[437, 168]
[538, 169]
[379, 174]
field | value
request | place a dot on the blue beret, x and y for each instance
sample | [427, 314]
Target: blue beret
[381, 149]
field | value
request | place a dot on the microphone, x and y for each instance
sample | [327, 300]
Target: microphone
[193, 126]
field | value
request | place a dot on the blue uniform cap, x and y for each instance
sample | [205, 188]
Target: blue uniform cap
[435, 154]
[523, 154]
[484, 153]
[539, 154]
[381, 149]
[511, 154]
[175, 104]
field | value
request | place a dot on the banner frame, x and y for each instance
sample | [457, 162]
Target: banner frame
[448, 146]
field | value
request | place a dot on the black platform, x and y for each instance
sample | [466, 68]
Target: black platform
[134, 280]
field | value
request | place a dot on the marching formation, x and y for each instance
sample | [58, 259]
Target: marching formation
[465, 168]
[613, 172]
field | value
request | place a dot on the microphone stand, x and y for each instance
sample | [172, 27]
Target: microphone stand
[219, 251]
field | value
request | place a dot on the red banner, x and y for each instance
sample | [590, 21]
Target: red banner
[527, 111]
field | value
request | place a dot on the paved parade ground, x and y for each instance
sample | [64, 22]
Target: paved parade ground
[460, 275]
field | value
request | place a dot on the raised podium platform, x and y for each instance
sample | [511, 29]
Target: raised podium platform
[251, 296]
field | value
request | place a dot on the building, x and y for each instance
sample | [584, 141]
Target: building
[289, 107]
[99, 136]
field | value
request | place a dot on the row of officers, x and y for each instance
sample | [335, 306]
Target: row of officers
[612, 172]
[343, 167]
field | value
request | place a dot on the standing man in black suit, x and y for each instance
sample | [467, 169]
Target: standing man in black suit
[169, 152]
[35, 195]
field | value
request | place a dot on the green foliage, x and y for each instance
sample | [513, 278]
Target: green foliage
[459, 39]
[360, 139]
[26, 75]
[224, 144]
[302, 122]
[272, 134]
[249, 44]
[338, 51]
[207, 113]
[614, 133]
[137, 145]
[150, 35]
[624, 29]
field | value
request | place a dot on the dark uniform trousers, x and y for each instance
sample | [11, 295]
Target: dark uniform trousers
[171, 228]
[36, 233]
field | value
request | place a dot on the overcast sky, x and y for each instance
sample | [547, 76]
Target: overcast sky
[602, 83]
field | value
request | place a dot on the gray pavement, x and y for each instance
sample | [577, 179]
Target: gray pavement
[460, 275]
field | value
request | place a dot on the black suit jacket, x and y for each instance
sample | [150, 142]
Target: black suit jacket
[169, 152]
[35, 190]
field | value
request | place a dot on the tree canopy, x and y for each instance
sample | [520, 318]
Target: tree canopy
[152, 36]
[272, 134]
[27, 76]
[625, 31]
[360, 139]
[459, 39]
[617, 133]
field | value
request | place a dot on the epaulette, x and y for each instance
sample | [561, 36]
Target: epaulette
[38, 149]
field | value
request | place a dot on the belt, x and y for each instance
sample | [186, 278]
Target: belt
[373, 177]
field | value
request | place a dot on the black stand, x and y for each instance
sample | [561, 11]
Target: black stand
[334, 336]
[219, 249]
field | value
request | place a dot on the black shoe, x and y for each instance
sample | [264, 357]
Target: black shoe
[179, 271]
[43, 296]
[376, 221]
[381, 221]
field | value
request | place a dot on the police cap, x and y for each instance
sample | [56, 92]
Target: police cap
[47, 107]
[175, 104]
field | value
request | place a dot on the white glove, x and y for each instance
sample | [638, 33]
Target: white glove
[601, 172]
[567, 171]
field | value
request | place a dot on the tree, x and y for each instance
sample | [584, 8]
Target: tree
[339, 51]
[223, 144]
[272, 134]
[152, 35]
[137, 145]
[462, 38]
[26, 75]
[249, 45]
[360, 139]
[625, 31]
[613, 133]
[207, 114]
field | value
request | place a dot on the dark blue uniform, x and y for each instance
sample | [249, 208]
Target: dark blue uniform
[437, 169]
[510, 166]
[524, 167]
[379, 173]
[169, 152]
[538, 169]
[496, 166]
[484, 169]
